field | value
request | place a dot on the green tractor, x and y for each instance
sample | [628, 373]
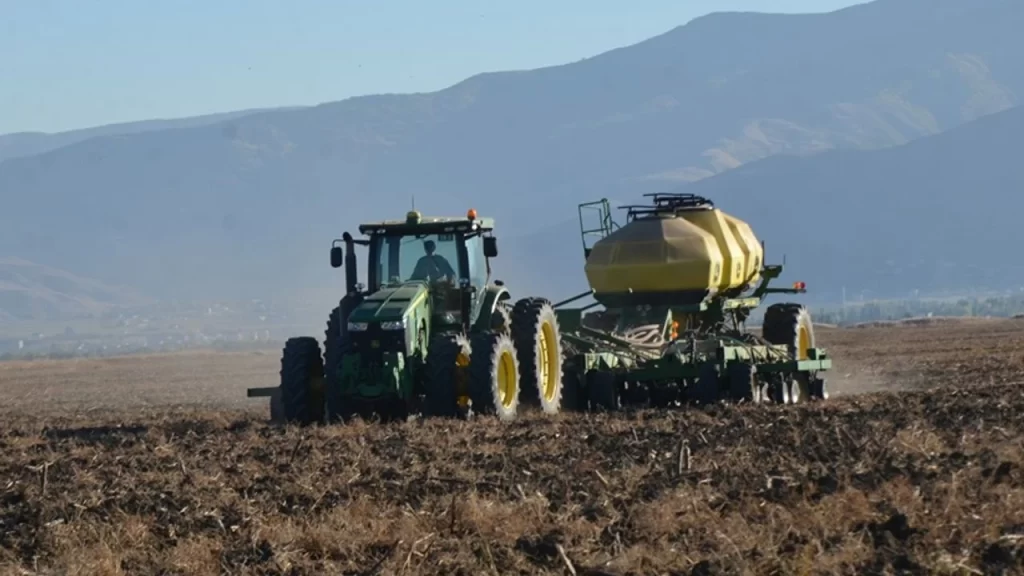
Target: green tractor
[430, 333]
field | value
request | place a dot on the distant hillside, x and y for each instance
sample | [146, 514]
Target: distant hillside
[30, 143]
[33, 292]
[247, 206]
[942, 212]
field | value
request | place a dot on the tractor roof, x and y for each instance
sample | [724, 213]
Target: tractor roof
[416, 223]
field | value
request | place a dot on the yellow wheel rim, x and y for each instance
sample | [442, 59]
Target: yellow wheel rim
[462, 380]
[462, 375]
[804, 344]
[507, 379]
[548, 360]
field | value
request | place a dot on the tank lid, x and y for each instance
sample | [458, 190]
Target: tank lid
[668, 204]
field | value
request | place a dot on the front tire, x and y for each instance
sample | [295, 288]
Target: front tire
[302, 381]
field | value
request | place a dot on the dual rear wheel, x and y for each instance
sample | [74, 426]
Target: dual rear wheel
[517, 362]
[538, 341]
[478, 375]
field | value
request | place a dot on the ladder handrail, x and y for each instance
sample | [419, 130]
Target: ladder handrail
[606, 224]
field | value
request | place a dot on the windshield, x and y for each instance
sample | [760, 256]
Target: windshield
[430, 257]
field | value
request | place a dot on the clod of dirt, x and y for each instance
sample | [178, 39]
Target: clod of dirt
[1001, 473]
[705, 568]
[1003, 556]
[893, 532]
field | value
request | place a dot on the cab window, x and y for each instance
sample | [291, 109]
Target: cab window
[477, 262]
[432, 257]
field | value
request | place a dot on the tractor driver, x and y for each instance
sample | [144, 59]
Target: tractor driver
[432, 265]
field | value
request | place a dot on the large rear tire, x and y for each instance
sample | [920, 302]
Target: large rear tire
[538, 342]
[501, 319]
[447, 375]
[302, 381]
[790, 324]
[494, 375]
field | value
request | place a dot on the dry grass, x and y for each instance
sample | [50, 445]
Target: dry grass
[920, 481]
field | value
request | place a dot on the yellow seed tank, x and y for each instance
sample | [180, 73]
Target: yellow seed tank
[680, 250]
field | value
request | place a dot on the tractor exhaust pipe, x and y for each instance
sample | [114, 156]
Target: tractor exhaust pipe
[351, 267]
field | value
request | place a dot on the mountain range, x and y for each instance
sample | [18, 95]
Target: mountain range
[857, 142]
[939, 213]
[29, 143]
[31, 291]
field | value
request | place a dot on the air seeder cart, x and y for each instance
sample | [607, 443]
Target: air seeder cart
[677, 284]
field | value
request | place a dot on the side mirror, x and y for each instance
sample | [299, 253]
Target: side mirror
[490, 246]
[337, 258]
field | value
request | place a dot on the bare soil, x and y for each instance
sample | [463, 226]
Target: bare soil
[160, 465]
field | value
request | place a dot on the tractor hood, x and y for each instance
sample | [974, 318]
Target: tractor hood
[390, 303]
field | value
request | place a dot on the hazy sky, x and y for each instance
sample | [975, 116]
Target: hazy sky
[68, 64]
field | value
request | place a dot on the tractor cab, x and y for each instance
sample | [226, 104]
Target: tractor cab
[449, 255]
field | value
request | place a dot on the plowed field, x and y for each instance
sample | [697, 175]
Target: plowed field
[160, 465]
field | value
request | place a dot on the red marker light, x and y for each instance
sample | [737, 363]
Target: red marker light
[799, 286]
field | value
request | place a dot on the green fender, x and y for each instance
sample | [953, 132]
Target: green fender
[493, 294]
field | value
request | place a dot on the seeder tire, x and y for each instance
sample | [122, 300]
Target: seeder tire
[494, 376]
[447, 374]
[302, 381]
[789, 324]
[538, 342]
